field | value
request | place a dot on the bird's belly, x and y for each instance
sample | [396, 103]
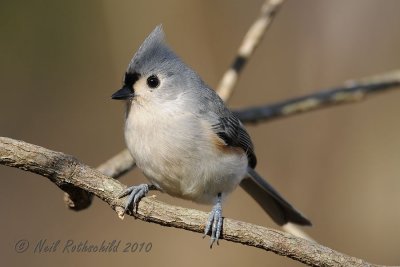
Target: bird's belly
[199, 179]
[182, 160]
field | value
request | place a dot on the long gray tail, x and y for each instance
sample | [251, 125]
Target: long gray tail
[271, 201]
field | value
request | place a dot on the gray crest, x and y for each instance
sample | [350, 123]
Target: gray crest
[153, 53]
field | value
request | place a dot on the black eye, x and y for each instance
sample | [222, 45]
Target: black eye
[153, 81]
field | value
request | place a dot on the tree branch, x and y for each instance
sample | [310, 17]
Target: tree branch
[78, 199]
[250, 42]
[352, 91]
[67, 172]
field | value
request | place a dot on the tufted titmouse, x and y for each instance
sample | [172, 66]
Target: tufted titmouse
[186, 142]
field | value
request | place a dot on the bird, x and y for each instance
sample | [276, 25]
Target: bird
[186, 141]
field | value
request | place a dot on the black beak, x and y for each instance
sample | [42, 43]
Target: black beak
[123, 93]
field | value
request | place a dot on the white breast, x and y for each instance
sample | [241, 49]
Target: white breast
[176, 151]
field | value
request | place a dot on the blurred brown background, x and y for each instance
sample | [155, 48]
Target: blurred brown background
[61, 61]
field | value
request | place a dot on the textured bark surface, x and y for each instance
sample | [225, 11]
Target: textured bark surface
[79, 199]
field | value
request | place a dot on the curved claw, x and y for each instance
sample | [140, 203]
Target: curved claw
[214, 223]
[135, 194]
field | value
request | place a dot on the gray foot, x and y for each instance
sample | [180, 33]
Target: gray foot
[135, 194]
[214, 222]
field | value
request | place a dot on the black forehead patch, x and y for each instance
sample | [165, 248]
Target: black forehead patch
[131, 78]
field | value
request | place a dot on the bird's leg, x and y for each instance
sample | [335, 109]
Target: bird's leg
[135, 194]
[214, 222]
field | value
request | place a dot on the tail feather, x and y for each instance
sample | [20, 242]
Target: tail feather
[271, 201]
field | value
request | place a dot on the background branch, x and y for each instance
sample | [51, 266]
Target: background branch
[66, 172]
[247, 47]
[352, 91]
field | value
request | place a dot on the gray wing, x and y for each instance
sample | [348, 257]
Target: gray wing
[226, 125]
[231, 130]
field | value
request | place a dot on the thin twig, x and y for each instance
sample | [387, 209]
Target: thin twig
[67, 172]
[352, 91]
[117, 165]
[246, 49]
